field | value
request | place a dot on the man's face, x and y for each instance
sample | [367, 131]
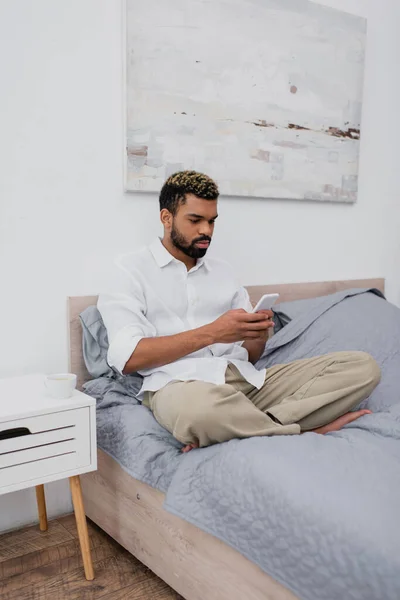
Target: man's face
[193, 226]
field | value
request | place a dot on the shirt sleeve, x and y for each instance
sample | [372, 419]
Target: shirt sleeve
[242, 300]
[123, 314]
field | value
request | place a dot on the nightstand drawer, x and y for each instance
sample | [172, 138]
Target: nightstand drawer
[44, 445]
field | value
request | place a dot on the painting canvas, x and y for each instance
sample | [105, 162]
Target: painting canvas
[264, 96]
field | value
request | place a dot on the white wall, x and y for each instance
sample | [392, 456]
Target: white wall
[63, 213]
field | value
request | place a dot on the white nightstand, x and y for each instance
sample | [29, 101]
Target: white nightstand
[42, 440]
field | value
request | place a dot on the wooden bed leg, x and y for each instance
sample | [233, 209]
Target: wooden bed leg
[41, 504]
[81, 525]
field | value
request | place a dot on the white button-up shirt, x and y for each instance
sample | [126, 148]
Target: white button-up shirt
[157, 296]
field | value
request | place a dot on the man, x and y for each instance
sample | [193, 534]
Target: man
[185, 324]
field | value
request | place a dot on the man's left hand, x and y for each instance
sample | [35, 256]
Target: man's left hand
[255, 347]
[264, 335]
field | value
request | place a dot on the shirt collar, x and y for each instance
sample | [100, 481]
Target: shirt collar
[160, 253]
[164, 258]
[202, 262]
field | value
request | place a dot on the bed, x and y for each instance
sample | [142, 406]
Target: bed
[194, 563]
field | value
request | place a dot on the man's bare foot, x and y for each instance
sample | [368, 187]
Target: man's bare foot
[337, 424]
[189, 447]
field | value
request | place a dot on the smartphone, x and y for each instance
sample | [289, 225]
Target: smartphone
[266, 302]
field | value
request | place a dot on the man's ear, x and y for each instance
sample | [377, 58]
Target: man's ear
[166, 218]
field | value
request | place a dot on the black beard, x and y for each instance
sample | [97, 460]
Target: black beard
[189, 249]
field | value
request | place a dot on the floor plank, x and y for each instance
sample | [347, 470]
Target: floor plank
[60, 560]
[40, 558]
[149, 588]
[111, 574]
[18, 543]
[48, 566]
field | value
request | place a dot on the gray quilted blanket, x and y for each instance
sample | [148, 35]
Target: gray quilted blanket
[321, 514]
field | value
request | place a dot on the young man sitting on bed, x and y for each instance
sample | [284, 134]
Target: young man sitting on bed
[184, 323]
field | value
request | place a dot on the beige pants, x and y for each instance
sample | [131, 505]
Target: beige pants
[296, 397]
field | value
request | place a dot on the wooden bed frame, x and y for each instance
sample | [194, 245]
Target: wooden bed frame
[195, 564]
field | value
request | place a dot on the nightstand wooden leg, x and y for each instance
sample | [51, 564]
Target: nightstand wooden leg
[41, 504]
[81, 525]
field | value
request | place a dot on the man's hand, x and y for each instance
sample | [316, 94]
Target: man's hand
[239, 325]
[255, 347]
[268, 314]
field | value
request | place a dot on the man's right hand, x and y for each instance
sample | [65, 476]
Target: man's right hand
[239, 325]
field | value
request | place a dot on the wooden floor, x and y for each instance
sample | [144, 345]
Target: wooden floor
[47, 565]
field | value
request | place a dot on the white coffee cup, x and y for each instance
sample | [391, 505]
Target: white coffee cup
[60, 385]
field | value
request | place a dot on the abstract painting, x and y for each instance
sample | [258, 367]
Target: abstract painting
[265, 96]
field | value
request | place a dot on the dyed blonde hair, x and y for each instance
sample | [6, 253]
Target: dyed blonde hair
[186, 182]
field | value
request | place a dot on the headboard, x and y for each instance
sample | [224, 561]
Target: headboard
[288, 292]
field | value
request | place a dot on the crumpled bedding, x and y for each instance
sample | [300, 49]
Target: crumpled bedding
[320, 514]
